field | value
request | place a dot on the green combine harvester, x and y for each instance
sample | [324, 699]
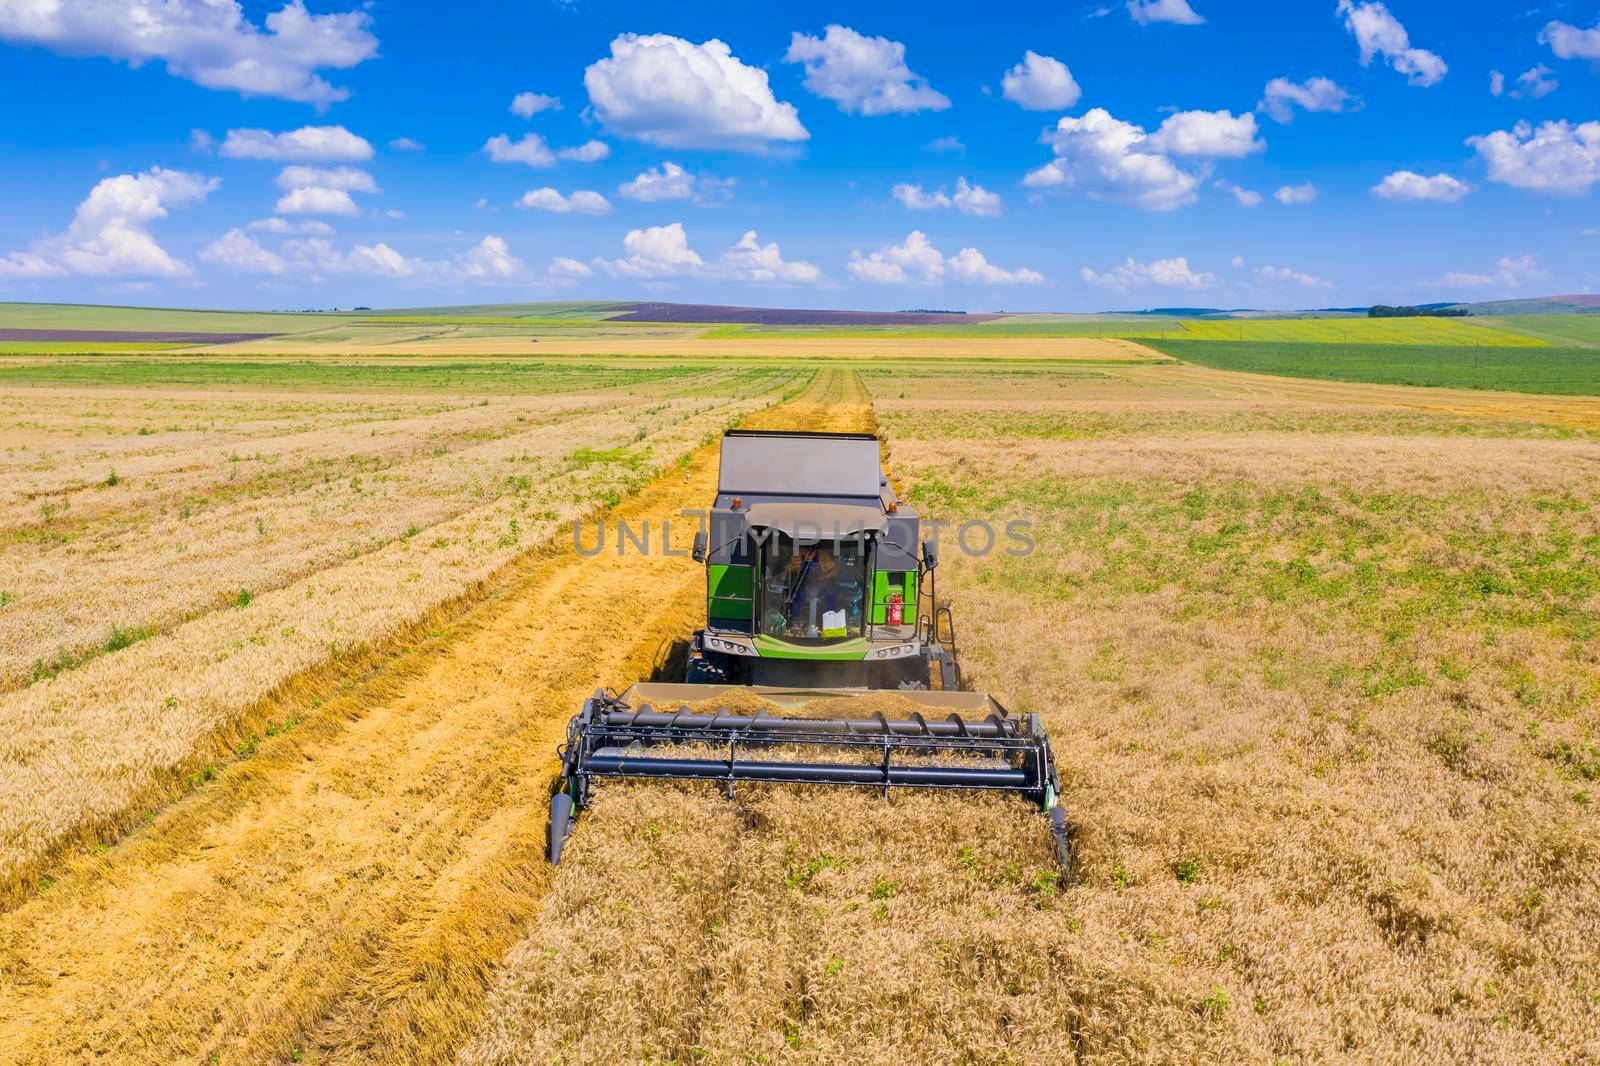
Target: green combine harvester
[818, 586]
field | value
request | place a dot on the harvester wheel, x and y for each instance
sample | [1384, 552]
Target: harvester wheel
[1063, 840]
[560, 825]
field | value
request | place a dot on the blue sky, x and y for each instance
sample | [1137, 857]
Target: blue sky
[1130, 154]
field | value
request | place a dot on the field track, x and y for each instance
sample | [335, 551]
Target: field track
[347, 892]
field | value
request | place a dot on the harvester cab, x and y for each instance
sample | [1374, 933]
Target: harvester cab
[820, 595]
[816, 571]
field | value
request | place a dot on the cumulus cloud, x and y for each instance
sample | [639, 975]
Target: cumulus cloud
[1282, 96]
[1497, 83]
[1245, 197]
[562, 267]
[1409, 185]
[1569, 42]
[1167, 273]
[237, 251]
[489, 260]
[916, 260]
[946, 146]
[1535, 83]
[313, 226]
[1558, 157]
[1292, 195]
[1040, 83]
[526, 105]
[583, 202]
[316, 201]
[666, 91]
[351, 179]
[308, 144]
[968, 199]
[1273, 275]
[1108, 159]
[1378, 33]
[1145, 12]
[1508, 274]
[587, 152]
[208, 42]
[1209, 134]
[109, 235]
[405, 144]
[669, 181]
[664, 252]
[750, 260]
[863, 75]
[530, 150]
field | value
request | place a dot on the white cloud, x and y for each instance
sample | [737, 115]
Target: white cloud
[1245, 197]
[392, 213]
[916, 260]
[1291, 195]
[1535, 83]
[583, 202]
[968, 199]
[1409, 185]
[1497, 83]
[313, 226]
[531, 149]
[308, 144]
[863, 75]
[316, 201]
[1508, 274]
[664, 252]
[526, 105]
[1040, 83]
[406, 144]
[1108, 159]
[1589, 231]
[109, 235]
[1275, 275]
[208, 42]
[202, 141]
[1209, 134]
[562, 267]
[655, 252]
[350, 179]
[1557, 158]
[1238, 261]
[665, 91]
[1569, 42]
[750, 260]
[489, 260]
[587, 152]
[236, 250]
[316, 256]
[1377, 32]
[669, 181]
[946, 146]
[1145, 12]
[1167, 273]
[1282, 96]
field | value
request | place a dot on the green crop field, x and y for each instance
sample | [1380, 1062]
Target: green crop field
[96, 316]
[80, 347]
[1419, 331]
[1545, 369]
[1555, 329]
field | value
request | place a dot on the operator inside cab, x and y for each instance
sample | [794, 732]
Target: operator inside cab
[812, 590]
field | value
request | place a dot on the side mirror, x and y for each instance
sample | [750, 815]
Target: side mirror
[930, 555]
[699, 552]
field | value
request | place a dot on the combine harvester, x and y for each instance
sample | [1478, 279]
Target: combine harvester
[819, 589]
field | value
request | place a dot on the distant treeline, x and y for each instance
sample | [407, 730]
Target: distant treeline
[1385, 311]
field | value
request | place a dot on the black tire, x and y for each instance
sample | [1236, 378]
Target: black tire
[560, 825]
[1063, 841]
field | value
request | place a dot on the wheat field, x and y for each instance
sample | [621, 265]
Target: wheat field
[1318, 661]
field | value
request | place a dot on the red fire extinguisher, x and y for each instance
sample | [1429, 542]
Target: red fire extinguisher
[896, 610]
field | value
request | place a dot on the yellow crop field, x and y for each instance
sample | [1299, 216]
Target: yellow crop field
[1318, 660]
[1419, 331]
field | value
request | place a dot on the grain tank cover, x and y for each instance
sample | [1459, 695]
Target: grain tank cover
[756, 463]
